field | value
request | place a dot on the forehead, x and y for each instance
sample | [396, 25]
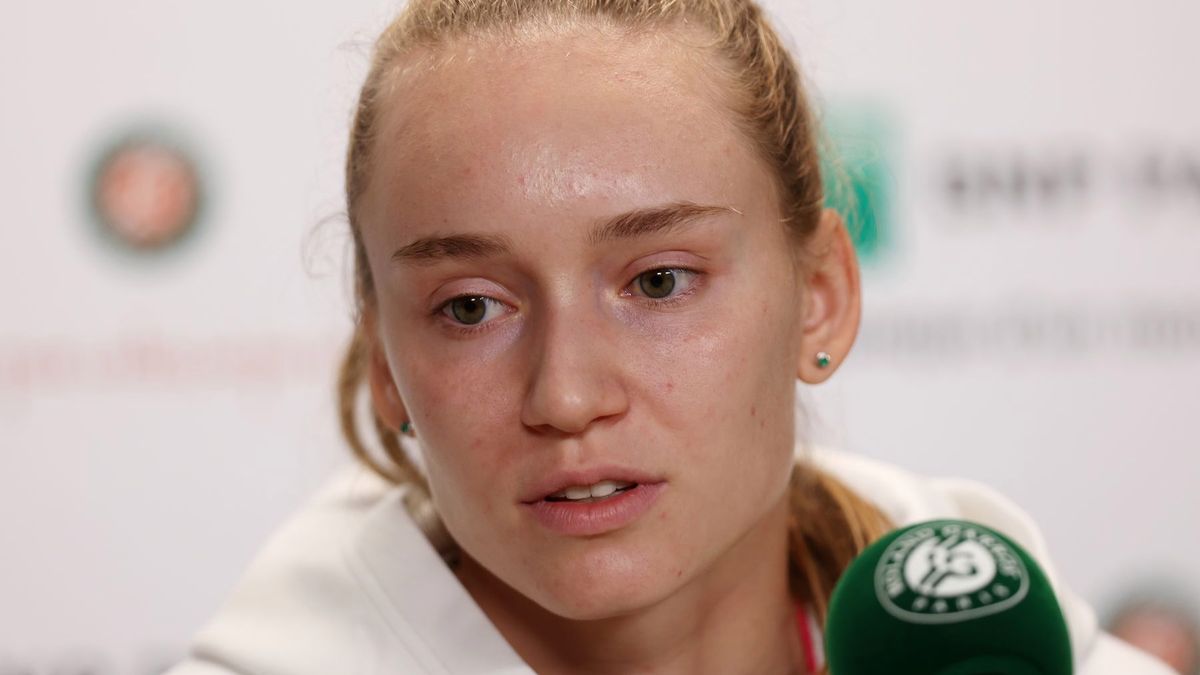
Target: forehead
[592, 121]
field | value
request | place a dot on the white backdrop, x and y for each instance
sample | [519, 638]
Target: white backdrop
[1032, 312]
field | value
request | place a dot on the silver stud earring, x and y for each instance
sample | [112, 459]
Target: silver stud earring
[824, 359]
[406, 428]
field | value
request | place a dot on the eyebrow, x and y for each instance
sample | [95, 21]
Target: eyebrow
[655, 220]
[428, 250]
[629, 225]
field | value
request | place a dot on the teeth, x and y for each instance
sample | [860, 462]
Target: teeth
[577, 493]
[602, 489]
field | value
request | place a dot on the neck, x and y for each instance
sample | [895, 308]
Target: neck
[736, 616]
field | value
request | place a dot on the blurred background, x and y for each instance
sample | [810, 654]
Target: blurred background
[1023, 179]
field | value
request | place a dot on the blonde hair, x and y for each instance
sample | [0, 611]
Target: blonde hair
[830, 524]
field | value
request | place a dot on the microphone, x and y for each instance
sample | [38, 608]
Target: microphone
[945, 597]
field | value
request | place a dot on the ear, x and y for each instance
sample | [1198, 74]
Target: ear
[384, 395]
[832, 299]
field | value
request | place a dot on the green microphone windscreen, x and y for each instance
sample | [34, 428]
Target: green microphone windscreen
[945, 597]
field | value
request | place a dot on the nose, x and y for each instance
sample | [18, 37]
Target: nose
[574, 378]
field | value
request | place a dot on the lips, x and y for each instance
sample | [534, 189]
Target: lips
[596, 517]
[593, 501]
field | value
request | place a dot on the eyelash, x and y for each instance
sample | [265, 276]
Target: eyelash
[471, 329]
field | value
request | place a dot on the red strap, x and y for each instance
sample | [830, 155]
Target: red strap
[806, 639]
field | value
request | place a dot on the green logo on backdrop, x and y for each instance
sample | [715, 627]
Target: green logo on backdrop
[857, 171]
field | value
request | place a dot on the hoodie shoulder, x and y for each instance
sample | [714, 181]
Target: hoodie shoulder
[298, 608]
[350, 584]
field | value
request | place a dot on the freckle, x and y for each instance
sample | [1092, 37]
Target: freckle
[520, 180]
[678, 573]
[753, 411]
[670, 386]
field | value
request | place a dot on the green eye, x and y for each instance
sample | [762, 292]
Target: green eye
[468, 310]
[657, 283]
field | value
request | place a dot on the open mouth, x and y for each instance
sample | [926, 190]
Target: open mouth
[587, 510]
[582, 494]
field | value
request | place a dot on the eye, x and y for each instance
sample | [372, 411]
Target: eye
[663, 282]
[471, 310]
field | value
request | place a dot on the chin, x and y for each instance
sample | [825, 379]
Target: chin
[605, 583]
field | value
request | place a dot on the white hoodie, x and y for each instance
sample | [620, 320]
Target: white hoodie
[350, 586]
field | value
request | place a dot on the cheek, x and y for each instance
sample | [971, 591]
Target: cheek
[462, 408]
[730, 369]
[728, 394]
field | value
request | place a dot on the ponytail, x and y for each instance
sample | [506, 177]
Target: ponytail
[829, 525]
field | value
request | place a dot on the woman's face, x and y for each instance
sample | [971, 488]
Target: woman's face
[582, 281]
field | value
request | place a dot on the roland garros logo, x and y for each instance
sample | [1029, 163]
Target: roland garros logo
[145, 191]
[948, 571]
